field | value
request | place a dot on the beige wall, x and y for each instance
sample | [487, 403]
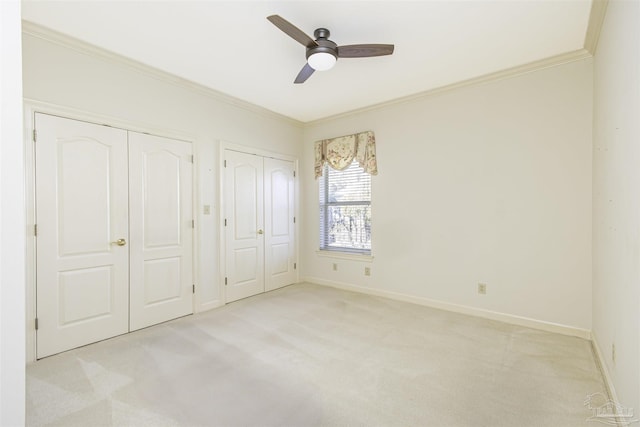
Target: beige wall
[12, 221]
[616, 199]
[78, 79]
[488, 183]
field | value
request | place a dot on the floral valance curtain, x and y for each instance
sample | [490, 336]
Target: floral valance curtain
[340, 152]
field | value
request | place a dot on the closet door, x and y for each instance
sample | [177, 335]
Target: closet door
[161, 221]
[244, 229]
[280, 253]
[82, 249]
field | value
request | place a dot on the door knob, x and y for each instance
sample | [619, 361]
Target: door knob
[119, 242]
[260, 232]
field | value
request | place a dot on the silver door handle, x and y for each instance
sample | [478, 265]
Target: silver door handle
[119, 242]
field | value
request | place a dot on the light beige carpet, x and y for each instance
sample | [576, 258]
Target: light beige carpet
[309, 355]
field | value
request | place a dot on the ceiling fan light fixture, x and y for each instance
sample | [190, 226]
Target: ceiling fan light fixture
[323, 53]
[322, 61]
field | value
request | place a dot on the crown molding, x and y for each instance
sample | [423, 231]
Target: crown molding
[64, 40]
[552, 61]
[596, 18]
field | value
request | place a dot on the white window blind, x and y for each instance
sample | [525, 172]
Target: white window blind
[345, 209]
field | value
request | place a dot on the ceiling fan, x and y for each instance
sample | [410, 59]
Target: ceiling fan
[323, 53]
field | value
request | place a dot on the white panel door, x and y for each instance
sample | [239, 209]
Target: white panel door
[82, 287]
[280, 253]
[160, 203]
[244, 231]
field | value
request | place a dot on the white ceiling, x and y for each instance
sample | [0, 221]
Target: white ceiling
[229, 46]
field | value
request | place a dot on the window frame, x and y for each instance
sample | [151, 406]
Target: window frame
[323, 220]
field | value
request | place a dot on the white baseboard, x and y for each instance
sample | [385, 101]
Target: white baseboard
[608, 382]
[209, 305]
[600, 360]
[462, 309]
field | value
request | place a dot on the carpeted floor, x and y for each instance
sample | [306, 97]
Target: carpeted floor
[310, 355]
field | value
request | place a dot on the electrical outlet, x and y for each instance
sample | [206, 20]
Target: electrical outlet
[335, 267]
[613, 352]
[482, 288]
[367, 271]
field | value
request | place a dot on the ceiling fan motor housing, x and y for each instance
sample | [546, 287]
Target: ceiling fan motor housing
[324, 44]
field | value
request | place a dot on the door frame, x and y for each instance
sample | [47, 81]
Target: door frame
[222, 261]
[31, 107]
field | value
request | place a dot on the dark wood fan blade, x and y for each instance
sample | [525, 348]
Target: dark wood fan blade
[292, 31]
[364, 50]
[304, 74]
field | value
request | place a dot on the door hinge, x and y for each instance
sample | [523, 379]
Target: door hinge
[295, 265]
[193, 223]
[225, 163]
[35, 135]
[35, 230]
[225, 222]
[294, 174]
[294, 219]
[36, 323]
[193, 289]
[192, 158]
[225, 280]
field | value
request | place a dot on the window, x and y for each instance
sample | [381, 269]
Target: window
[345, 210]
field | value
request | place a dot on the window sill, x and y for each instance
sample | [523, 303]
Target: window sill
[345, 255]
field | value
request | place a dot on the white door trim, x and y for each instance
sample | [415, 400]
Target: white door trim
[226, 145]
[31, 107]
